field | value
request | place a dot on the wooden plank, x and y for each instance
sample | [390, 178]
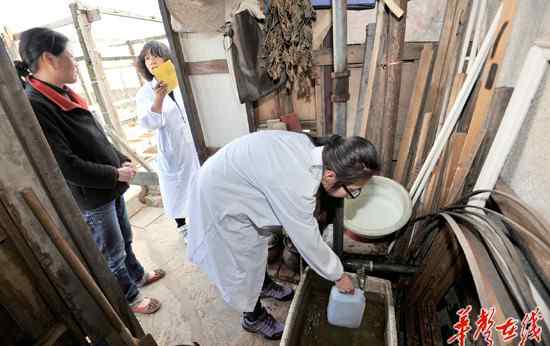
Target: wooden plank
[45, 289]
[449, 76]
[100, 83]
[124, 14]
[207, 67]
[374, 101]
[52, 25]
[454, 114]
[76, 265]
[323, 56]
[321, 27]
[498, 106]
[395, 8]
[408, 76]
[413, 114]
[456, 144]
[363, 84]
[396, 39]
[437, 182]
[419, 151]
[319, 104]
[185, 83]
[354, 85]
[474, 9]
[478, 129]
[19, 295]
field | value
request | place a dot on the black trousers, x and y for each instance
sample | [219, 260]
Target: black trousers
[258, 308]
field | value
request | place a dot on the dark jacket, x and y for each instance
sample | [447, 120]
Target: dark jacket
[87, 159]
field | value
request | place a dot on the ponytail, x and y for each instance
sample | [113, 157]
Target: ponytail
[35, 42]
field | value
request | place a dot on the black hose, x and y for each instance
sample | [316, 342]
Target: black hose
[374, 267]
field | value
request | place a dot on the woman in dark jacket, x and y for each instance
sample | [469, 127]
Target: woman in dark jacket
[95, 171]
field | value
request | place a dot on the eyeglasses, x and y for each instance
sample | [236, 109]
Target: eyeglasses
[352, 194]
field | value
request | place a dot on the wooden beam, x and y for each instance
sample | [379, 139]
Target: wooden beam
[419, 151]
[53, 25]
[395, 9]
[455, 112]
[124, 14]
[185, 83]
[374, 100]
[100, 84]
[413, 114]
[363, 86]
[207, 67]
[396, 40]
[323, 56]
[141, 40]
[498, 106]
[44, 286]
[478, 129]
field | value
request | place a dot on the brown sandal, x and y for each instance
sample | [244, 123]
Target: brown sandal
[145, 306]
[150, 277]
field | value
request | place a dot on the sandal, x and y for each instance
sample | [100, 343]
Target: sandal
[150, 277]
[145, 306]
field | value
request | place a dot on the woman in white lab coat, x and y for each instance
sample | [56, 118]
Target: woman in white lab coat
[164, 112]
[256, 183]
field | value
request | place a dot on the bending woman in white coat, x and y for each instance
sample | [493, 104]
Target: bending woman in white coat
[256, 183]
[164, 112]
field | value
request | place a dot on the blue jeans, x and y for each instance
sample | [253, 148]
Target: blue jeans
[112, 234]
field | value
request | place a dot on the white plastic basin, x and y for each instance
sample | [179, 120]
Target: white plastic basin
[383, 207]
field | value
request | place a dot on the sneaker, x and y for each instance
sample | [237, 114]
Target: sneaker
[278, 292]
[265, 325]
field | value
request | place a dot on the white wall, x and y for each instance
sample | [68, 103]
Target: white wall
[223, 117]
[527, 170]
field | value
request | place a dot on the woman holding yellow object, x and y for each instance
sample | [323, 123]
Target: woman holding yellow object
[160, 108]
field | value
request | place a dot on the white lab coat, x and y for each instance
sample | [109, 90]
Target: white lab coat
[177, 159]
[268, 178]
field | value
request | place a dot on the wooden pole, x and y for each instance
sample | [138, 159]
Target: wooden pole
[77, 266]
[363, 87]
[9, 41]
[185, 83]
[134, 56]
[102, 91]
[396, 41]
[415, 108]
[83, 84]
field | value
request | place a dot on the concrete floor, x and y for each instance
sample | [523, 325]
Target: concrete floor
[192, 308]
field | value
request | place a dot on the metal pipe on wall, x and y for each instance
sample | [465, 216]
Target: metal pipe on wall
[340, 96]
[340, 40]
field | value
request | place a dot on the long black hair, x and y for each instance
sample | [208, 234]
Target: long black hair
[154, 48]
[35, 42]
[352, 159]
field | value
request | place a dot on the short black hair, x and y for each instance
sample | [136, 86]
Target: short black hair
[35, 42]
[154, 48]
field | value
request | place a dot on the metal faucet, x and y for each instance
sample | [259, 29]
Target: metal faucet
[362, 278]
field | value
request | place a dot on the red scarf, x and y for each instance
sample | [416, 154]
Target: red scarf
[67, 105]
